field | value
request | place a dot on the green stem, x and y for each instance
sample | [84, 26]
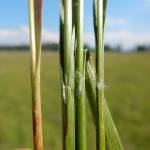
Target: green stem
[35, 13]
[113, 141]
[80, 79]
[62, 75]
[105, 12]
[67, 74]
[100, 134]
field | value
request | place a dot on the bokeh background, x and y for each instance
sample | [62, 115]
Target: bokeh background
[127, 73]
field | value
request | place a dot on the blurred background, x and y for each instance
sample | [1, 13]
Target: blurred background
[127, 73]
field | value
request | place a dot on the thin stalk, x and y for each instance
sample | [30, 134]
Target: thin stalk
[35, 15]
[95, 16]
[113, 141]
[99, 23]
[62, 74]
[80, 79]
[67, 75]
[105, 12]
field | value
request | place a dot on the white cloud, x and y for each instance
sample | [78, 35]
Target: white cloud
[11, 36]
[21, 36]
[48, 36]
[112, 21]
[126, 38]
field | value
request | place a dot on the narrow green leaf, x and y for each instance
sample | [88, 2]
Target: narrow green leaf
[113, 141]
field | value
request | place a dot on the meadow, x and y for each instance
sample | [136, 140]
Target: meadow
[127, 79]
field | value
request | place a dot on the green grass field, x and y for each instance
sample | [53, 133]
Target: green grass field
[127, 92]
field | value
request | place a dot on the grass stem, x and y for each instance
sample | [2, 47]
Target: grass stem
[99, 37]
[35, 15]
[67, 75]
[80, 79]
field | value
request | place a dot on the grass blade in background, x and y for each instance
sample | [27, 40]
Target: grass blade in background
[113, 141]
[67, 75]
[35, 15]
[99, 37]
[80, 79]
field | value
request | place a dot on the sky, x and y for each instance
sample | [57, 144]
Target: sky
[127, 25]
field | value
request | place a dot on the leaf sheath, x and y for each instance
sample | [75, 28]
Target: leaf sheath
[35, 15]
[67, 75]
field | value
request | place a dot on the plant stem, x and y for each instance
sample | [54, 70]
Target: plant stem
[67, 74]
[113, 141]
[100, 134]
[105, 12]
[62, 74]
[35, 15]
[80, 79]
